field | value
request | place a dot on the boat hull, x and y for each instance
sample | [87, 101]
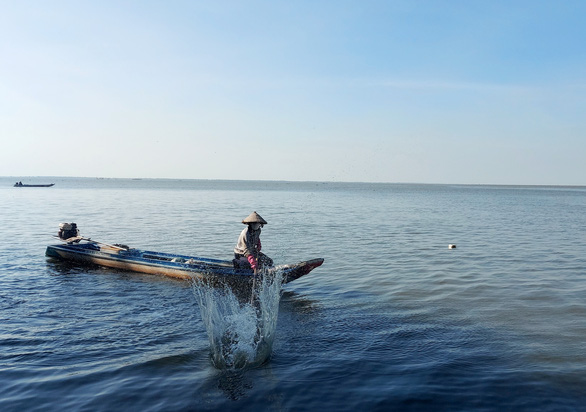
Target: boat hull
[171, 265]
[49, 185]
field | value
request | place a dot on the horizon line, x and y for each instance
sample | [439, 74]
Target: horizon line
[304, 181]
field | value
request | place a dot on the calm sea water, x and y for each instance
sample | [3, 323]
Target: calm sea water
[393, 320]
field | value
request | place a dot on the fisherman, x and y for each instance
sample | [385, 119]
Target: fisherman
[247, 252]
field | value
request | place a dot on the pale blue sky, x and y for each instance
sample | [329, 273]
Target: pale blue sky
[488, 92]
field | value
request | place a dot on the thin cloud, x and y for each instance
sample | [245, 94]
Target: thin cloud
[425, 85]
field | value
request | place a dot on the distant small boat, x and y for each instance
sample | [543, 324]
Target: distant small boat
[20, 184]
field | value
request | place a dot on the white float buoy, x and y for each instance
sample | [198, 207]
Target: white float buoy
[451, 246]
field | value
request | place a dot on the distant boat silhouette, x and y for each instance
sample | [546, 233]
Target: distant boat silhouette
[20, 184]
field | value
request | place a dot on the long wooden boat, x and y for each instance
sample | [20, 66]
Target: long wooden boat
[177, 266]
[18, 184]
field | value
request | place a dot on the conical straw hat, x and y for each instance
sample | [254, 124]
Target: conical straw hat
[254, 218]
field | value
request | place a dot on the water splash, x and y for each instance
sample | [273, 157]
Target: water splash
[241, 330]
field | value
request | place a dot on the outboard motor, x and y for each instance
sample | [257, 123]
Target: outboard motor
[67, 230]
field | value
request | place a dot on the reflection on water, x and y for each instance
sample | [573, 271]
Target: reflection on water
[234, 384]
[240, 327]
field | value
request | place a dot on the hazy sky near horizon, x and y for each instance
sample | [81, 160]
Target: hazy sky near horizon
[466, 91]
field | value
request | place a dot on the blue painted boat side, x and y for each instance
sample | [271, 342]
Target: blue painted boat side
[91, 252]
[199, 259]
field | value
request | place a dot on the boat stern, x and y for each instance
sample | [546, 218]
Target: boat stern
[52, 252]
